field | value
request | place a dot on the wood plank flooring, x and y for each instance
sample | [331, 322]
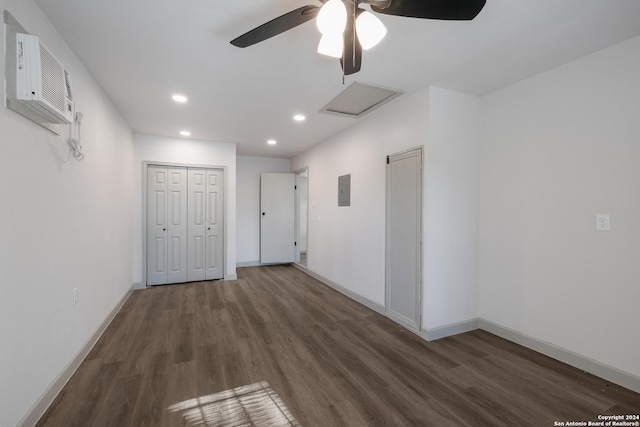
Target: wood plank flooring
[278, 337]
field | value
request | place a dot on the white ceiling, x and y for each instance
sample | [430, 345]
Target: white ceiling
[143, 51]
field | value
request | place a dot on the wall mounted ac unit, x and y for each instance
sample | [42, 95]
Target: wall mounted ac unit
[43, 84]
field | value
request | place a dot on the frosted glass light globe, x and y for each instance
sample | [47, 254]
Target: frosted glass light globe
[370, 30]
[331, 45]
[332, 18]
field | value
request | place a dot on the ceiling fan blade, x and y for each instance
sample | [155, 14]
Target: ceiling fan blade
[458, 10]
[276, 26]
[351, 60]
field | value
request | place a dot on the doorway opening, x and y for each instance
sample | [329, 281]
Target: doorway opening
[302, 217]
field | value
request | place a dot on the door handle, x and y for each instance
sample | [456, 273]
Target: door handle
[209, 228]
[263, 214]
[164, 229]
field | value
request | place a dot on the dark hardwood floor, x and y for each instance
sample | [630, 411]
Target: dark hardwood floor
[278, 348]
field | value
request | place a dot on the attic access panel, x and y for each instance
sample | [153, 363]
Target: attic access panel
[359, 99]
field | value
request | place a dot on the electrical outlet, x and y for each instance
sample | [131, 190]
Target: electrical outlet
[75, 296]
[603, 222]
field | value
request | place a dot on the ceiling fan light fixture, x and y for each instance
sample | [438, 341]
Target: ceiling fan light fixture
[331, 45]
[332, 18]
[370, 30]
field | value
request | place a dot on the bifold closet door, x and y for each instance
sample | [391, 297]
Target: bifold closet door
[166, 225]
[185, 217]
[205, 228]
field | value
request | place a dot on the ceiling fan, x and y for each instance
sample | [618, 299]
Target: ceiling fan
[347, 29]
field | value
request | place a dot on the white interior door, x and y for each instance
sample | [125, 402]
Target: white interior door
[404, 225]
[176, 225]
[156, 225]
[277, 219]
[197, 212]
[215, 221]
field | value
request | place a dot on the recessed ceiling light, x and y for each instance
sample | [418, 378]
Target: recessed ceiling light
[272, 142]
[185, 133]
[299, 118]
[179, 98]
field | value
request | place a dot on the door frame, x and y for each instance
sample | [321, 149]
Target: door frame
[298, 172]
[145, 165]
[420, 241]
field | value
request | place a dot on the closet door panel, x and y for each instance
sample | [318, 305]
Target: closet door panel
[196, 228]
[156, 225]
[177, 225]
[215, 225]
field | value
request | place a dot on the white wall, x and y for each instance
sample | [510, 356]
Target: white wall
[347, 245]
[149, 148]
[64, 224]
[557, 149]
[451, 218]
[248, 185]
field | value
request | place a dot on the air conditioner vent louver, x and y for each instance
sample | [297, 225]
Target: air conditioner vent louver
[67, 82]
[53, 82]
[359, 99]
[43, 84]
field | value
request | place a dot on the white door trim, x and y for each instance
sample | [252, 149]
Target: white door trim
[297, 216]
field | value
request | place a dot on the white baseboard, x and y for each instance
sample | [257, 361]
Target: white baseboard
[569, 357]
[449, 330]
[231, 277]
[248, 264]
[357, 298]
[41, 405]
[258, 264]
[139, 285]
[584, 363]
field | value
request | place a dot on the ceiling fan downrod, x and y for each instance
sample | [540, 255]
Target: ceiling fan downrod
[353, 29]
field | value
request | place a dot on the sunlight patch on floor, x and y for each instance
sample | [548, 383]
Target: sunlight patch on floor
[250, 405]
